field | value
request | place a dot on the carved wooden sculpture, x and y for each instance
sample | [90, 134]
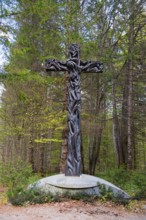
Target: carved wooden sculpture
[74, 66]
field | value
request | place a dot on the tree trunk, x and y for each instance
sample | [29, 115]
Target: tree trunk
[31, 157]
[116, 129]
[124, 129]
[130, 86]
[94, 152]
[42, 154]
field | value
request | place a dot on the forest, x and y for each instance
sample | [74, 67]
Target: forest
[33, 105]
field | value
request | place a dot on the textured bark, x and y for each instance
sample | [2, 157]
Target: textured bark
[94, 151]
[127, 137]
[130, 86]
[116, 129]
[42, 155]
[31, 157]
[123, 140]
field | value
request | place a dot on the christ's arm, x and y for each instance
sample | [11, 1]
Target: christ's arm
[55, 65]
[89, 66]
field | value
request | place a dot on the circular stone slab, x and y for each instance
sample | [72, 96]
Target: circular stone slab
[70, 182]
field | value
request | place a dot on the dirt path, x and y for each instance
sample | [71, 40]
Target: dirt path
[69, 210]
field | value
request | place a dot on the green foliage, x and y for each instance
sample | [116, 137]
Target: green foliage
[16, 175]
[21, 197]
[106, 194]
[133, 182]
[46, 140]
[33, 196]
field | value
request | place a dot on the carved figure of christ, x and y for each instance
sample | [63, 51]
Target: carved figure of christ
[74, 66]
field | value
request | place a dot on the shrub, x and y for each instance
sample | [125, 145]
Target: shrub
[31, 196]
[16, 175]
[133, 182]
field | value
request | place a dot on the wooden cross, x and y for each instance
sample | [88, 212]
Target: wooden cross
[74, 66]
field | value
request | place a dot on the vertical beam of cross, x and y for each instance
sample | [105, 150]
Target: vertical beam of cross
[74, 66]
[73, 163]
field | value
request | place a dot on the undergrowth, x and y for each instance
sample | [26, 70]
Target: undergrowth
[29, 197]
[133, 182]
[15, 176]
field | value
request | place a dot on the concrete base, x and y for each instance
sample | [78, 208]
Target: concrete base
[85, 184]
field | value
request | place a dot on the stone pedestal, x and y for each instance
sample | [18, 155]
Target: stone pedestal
[84, 184]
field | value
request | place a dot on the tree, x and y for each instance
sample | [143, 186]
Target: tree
[30, 105]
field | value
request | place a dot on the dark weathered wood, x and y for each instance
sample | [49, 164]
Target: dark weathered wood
[74, 67]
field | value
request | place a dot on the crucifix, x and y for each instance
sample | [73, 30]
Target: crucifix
[74, 66]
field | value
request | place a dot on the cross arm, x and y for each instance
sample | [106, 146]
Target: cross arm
[91, 67]
[55, 65]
